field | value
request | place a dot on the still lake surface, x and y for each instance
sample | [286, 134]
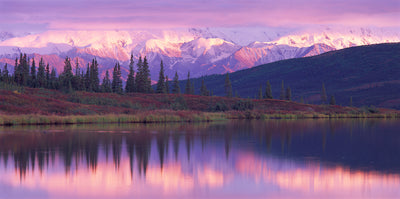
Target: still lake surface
[236, 159]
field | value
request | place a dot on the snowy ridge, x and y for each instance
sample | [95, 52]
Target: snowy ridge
[199, 50]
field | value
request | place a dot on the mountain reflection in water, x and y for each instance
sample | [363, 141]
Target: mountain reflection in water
[238, 159]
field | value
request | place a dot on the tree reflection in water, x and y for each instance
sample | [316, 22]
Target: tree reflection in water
[359, 145]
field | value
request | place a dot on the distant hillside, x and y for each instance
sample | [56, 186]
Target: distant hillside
[370, 74]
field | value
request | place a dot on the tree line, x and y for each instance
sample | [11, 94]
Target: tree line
[77, 79]
[26, 73]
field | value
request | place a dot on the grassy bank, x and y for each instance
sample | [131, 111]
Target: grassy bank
[31, 106]
[263, 116]
[159, 116]
[166, 116]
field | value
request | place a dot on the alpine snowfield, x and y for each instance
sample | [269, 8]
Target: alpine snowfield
[201, 51]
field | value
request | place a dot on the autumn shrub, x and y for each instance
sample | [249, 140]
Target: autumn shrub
[179, 104]
[243, 105]
[369, 109]
[218, 107]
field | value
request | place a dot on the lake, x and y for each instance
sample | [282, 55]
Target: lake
[357, 158]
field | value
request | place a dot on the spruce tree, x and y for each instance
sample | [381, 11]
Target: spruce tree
[32, 78]
[87, 78]
[203, 89]
[228, 86]
[82, 80]
[260, 93]
[332, 100]
[323, 94]
[146, 77]
[117, 82]
[282, 94]
[16, 72]
[350, 103]
[188, 86]
[237, 94]
[192, 88]
[161, 80]
[166, 85]
[77, 77]
[25, 69]
[21, 70]
[94, 76]
[139, 77]
[66, 76]
[175, 84]
[268, 91]
[106, 85]
[288, 95]
[53, 82]
[302, 100]
[130, 82]
[47, 83]
[41, 74]
[5, 74]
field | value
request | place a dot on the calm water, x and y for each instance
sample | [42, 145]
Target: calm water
[240, 159]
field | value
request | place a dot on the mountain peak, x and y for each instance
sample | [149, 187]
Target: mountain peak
[200, 50]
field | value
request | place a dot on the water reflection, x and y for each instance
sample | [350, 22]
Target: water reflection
[279, 158]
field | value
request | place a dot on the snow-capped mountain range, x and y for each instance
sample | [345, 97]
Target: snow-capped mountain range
[201, 51]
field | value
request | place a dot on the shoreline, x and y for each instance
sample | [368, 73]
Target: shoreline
[168, 116]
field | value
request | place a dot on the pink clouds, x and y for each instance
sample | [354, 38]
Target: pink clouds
[133, 14]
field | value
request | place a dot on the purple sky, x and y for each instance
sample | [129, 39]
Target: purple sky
[39, 15]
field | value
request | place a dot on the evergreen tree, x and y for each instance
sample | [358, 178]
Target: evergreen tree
[228, 86]
[139, 76]
[203, 89]
[146, 77]
[53, 79]
[350, 104]
[1, 76]
[332, 100]
[87, 78]
[323, 94]
[77, 77]
[106, 85]
[166, 85]
[25, 69]
[94, 76]
[130, 82]
[32, 78]
[188, 87]
[21, 70]
[282, 94]
[16, 72]
[5, 74]
[288, 95]
[41, 74]
[192, 88]
[47, 83]
[116, 84]
[66, 76]
[175, 84]
[260, 93]
[268, 91]
[161, 84]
